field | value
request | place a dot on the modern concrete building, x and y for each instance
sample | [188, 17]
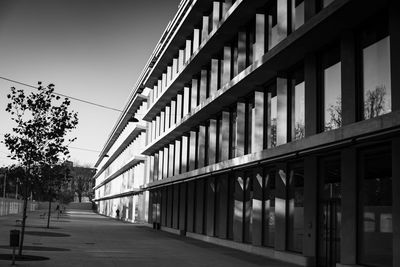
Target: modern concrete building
[273, 126]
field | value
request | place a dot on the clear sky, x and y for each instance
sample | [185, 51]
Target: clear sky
[90, 49]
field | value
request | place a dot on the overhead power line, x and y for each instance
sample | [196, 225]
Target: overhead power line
[85, 149]
[74, 98]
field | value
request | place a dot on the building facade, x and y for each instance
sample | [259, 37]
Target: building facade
[273, 126]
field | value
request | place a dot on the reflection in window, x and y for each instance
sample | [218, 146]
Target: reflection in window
[376, 78]
[296, 209]
[249, 121]
[376, 209]
[298, 14]
[332, 97]
[298, 125]
[272, 115]
[325, 3]
[233, 130]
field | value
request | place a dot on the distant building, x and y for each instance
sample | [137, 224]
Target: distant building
[271, 126]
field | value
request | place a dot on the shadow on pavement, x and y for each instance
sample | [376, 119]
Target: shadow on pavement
[50, 234]
[34, 226]
[38, 248]
[8, 257]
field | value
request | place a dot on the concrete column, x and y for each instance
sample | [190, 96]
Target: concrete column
[199, 204]
[222, 206]
[311, 94]
[394, 26]
[214, 86]
[158, 126]
[310, 9]
[226, 6]
[160, 163]
[179, 99]
[240, 128]
[280, 208]
[164, 84]
[174, 68]
[204, 30]
[348, 76]
[182, 206]
[201, 147]
[212, 142]
[224, 136]
[196, 39]
[241, 57]
[155, 167]
[248, 210]
[184, 154]
[181, 59]
[169, 75]
[162, 122]
[348, 235]
[226, 72]
[175, 210]
[203, 86]
[396, 199]
[192, 150]
[160, 88]
[155, 93]
[167, 117]
[191, 192]
[238, 207]
[151, 168]
[151, 98]
[188, 50]
[148, 132]
[257, 217]
[153, 132]
[257, 127]
[165, 163]
[173, 113]
[259, 45]
[216, 14]
[281, 127]
[177, 157]
[171, 163]
[210, 206]
[186, 101]
[194, 93]
[310, 206]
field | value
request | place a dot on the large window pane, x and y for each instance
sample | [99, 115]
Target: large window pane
[332, 97]
[272, 115]
[376, 78]
[375, 220]
[298, 125]
[296, 208]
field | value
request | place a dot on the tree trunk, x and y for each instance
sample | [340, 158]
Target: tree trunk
[21, 243]
[48, 214]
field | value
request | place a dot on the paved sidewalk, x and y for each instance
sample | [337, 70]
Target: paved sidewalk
[83, 238]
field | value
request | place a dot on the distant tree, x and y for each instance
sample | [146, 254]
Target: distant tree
[38, 139]
[374, 102]
[335, 115]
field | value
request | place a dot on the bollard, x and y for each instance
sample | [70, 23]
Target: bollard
[14, 242]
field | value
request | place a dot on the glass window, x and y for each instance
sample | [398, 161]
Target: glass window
[376, 78]
[332, 89]
[297, 86]
[325, 3]
[233, 133]
[296, 208]
[375, 219]
[269, 209]
[298, 14]
[249, 121]
[271, 115]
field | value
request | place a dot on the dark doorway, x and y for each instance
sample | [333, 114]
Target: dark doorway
[329, 212]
